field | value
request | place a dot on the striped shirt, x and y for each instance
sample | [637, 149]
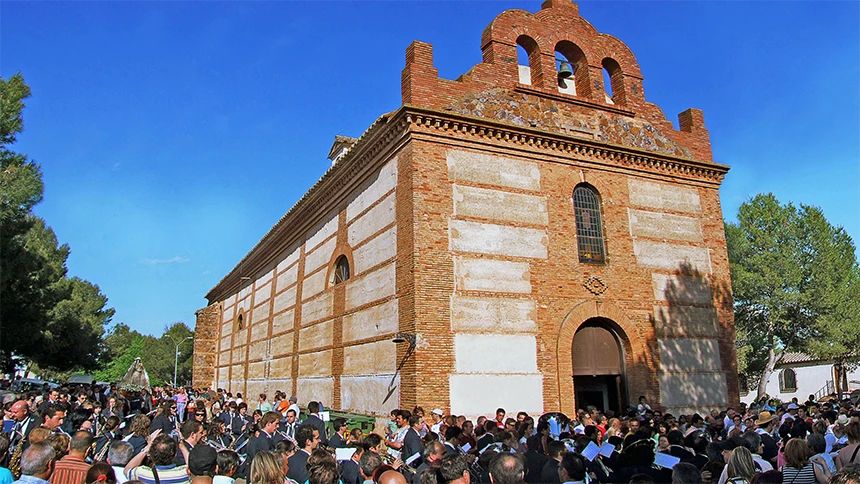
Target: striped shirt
[70, 470]
[806, 475]
[171, 474]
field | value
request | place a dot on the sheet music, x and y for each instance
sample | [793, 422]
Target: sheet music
[344, 453]
[665, 461]
[607, 449]
[591, 451]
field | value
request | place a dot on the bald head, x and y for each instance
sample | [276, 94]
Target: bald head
[392, 477]
[19, 410]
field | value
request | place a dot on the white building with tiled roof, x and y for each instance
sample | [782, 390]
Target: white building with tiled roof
[800, 375]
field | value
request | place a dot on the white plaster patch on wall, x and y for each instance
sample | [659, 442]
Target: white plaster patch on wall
[258, 350]
[288, 278]
[671, 256]
[289, 260]
[316, 389]
[664, 225]
[225, 342]
[384, 183]
[373, 321]
[365, 394]
[230, 301]
[316, 336]
[678, 321]
[683, 354]
[283, 321]
[495, 239]
[223, 373]
[682, 289]
[262, 293]
[257, 370]
[375, 251]
[482, 394]
[370, 287]
[227, 315]
[261, 312]
[285, 299]
[245, 291]
[369, 358]
[696, 390]
[491, 275]
[495, 353]
[315, 364]
[316, 309]
[281, 344]
[326, 230]
[500, 205]
[373, 221]
[259, 330]
[487, 314]
[663, 196]
[320, 256]
[265, 278]
[492, 170]
[314, 283]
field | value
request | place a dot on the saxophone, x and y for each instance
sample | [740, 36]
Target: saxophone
[15, 460]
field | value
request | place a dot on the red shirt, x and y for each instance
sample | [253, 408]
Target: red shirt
[70, 470]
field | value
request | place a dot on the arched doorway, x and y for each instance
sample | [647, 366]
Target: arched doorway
[598, 366]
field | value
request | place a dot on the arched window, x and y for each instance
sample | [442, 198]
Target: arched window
[341, 269]
[787, 381]
[240, 322]
[528, 60]
[567, 52]
[589, 228]
[613, 82]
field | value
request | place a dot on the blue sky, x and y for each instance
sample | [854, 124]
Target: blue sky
[173, 135]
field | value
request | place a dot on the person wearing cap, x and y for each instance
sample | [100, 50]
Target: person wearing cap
[436, 415]
[201, 464]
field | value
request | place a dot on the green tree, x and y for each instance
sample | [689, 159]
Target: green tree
[119, 364]
[795, 285]
[159, 355]
[45, 318]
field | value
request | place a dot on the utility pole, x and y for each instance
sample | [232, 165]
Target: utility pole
[176, 359]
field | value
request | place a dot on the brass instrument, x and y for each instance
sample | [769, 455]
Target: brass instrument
[389, 459]
[15, 460]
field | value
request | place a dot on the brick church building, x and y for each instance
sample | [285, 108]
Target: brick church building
[522, 237]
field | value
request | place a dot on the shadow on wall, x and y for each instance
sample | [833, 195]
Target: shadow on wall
[688, 328]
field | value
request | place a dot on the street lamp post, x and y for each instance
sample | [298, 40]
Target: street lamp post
[176, 359]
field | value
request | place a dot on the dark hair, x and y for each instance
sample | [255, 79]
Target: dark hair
[189, 427]
[507, 468]
[369, 462]
[453, 467]
[453, 432]
[226, 460]
[413, 420]
[574, 465]
[324, 472]
[686, 473]
[100, 469]
[554, 448]
[372, 440]
[304, 434]
[163, 450]
[338, 423]
[79, 416]
[675, 437]
[774, 476]
[313, 407]
[641, 479]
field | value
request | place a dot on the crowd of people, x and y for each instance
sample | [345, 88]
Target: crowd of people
[95, 435]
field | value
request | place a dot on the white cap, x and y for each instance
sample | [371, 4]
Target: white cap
[438, 411]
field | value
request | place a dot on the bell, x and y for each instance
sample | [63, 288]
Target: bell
[564, 72]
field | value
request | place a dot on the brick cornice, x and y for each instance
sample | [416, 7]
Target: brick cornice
[566, 145]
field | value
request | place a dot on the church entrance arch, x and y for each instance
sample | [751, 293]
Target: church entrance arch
[597, 355]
